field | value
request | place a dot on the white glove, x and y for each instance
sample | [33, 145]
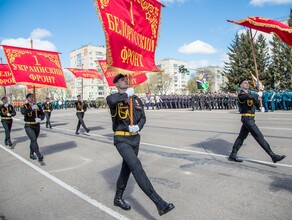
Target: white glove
[260, 93]
[48, 103]
[37, 120]
[49, 110]
[8, 114]
[130, 92]
[34, 107]
[82, 110]
[6, 104]
[133, 128]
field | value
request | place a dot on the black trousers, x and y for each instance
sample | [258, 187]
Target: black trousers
[33, 132]
[48, 117]
[128, 147]
[249, 126]
[80, 116]
[7, 124]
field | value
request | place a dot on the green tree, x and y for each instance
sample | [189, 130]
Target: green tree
[280, 68]
[241, 61]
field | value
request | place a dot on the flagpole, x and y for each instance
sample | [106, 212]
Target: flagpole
[131, 102]
[4, 88]
[36, 113]
[256, 66]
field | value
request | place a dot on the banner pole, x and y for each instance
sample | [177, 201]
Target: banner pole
[256, 66]
[131, 102]
[35, 99]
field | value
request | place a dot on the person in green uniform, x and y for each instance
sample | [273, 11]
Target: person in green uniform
[247, 102]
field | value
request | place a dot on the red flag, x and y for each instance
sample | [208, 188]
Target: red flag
[137, 78]
[85, 73]
[35, 67]
[131, 32]
[267, 25]
[6, 76]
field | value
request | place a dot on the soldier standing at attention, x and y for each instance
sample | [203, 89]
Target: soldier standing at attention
[247, 109]
[81, 108]
[127, 140]
[7, 112]
[33, 115]
[48, 108]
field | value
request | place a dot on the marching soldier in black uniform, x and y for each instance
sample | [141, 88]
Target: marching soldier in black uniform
[7, 112]
[48, 108]
[247, 108]
[127, 140]
[81, 108]
[33, 115]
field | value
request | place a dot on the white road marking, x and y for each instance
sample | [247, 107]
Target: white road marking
[186, 150]
[68, 187]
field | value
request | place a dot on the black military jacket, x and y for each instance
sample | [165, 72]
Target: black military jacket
[47, 106]
[119, 105]
[30, 114]
[4, 110]
[247, 102]
[80, 105]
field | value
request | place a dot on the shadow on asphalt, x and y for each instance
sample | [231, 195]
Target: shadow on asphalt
[216, 146]
[280, 183]
[58, 147]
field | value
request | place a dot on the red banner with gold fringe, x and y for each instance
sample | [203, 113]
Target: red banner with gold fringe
[137, 77]
[85, 73]
[6, 76]
[35, 67]
[131, 30]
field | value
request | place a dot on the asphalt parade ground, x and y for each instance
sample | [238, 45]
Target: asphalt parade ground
[183, 152]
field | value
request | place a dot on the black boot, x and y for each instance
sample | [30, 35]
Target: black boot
[32, 156]
[9, 142]
[233, 155]
[276, 158]
[162, 206]
[118, 201]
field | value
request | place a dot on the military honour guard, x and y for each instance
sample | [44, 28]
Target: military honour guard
[7, 112]
[81, 108]
[33, 115]
[48, 108]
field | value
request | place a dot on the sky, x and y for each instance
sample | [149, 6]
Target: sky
[194, 31]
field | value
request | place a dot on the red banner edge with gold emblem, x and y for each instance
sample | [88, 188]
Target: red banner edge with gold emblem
[109, 57]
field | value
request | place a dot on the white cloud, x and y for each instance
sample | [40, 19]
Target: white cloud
[37, 43]
[274, 2]
[198, 47]
[40, 33]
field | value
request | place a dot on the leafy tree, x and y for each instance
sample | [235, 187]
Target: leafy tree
[241, 61]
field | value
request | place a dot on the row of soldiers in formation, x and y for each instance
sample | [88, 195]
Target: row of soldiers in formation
[277, 100]
[196, 101]
[271, 100]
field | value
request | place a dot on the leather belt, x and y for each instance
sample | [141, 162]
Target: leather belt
[31, 123]
[248, 114]
[125, 133]
[6, 118]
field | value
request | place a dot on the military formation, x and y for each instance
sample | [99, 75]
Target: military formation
[272, 100]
